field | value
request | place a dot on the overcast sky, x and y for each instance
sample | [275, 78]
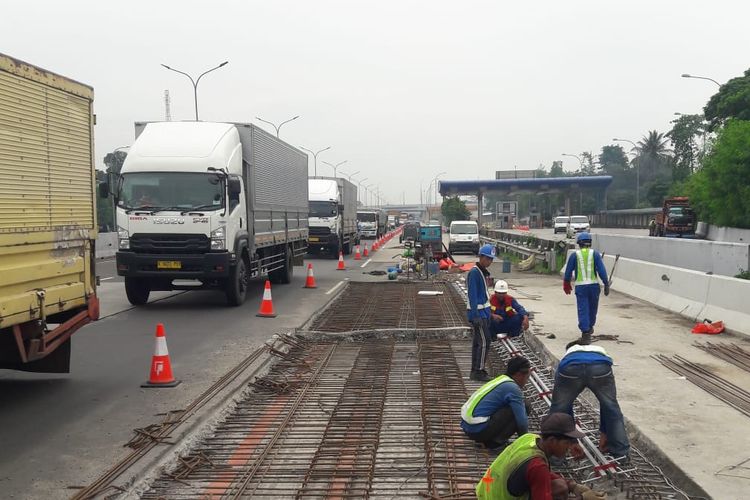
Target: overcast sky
[403, 90]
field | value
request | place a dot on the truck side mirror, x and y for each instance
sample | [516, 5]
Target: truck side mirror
[104, 189]
[341, 208]
[235, 188]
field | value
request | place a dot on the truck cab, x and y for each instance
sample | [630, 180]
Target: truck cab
[332, 215]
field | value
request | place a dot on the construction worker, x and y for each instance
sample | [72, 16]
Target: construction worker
[496, 410]
[477, 283]
[589, 366]
[507, 315]
[652, 227]
[522, 469]
[588, 265]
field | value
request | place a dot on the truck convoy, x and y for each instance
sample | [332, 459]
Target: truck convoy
[47, 216]
[372, 223]
[209, 205]
[333, 215]
[676, 218]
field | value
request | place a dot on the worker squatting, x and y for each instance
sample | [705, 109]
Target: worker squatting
[497, 410]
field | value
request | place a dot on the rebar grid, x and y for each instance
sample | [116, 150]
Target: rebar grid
[373, 306]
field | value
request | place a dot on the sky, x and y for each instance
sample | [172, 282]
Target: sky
[402, 90]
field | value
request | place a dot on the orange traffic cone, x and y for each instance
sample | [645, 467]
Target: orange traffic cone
[357, 255]
[341, 262]
[374, 246]
[365, 253]
[161, 367]
[266, 306]
[310, 281]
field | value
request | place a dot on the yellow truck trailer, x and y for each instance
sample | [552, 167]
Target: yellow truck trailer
[47, 216]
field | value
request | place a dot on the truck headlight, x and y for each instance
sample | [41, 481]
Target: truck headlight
[123, 239]
[218, 239]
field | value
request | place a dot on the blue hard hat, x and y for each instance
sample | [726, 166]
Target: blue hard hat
[488, 251]
[583, 237]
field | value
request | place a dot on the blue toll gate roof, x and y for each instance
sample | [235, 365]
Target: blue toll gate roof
[535, 185]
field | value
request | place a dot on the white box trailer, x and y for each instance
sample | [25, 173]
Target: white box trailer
[214, 203]
[333, 215]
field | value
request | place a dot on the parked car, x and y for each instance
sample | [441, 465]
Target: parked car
[561, 224]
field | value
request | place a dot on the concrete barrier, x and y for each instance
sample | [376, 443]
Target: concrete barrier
[106, 245]
[732, 234]
[724, 258]
[692, 294]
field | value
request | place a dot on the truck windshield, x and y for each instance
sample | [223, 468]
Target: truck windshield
[366, 217]
[171, 190]
[323, 209]
[464, 229]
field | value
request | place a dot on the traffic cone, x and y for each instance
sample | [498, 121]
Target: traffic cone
[357, 255]
[310, 281]
[365, 253]
[374, 246]
[161, 367]
[341, 262]
[266, 306]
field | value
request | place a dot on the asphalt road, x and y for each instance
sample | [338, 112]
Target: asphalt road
[58, 431]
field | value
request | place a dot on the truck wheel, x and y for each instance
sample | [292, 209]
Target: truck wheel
[137, 290]
[346, 247]
[237, 284]
[284, 275]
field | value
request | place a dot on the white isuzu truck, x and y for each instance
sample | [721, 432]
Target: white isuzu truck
[333, 215]
[209, 205]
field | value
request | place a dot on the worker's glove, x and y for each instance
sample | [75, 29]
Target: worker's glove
[580, 489]
[567, 288]
[606, 289]
[594, 495]
[525, 323]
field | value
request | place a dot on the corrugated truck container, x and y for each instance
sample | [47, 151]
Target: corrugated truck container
[47, 216]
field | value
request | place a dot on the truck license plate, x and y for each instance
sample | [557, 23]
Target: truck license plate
[168, 264]
[313, 238]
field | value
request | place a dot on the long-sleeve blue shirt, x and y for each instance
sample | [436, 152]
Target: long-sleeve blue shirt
[599, 268]
[505, 394]
[477, 291]
[520, 310]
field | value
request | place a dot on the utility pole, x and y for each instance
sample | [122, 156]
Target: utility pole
[167, 110]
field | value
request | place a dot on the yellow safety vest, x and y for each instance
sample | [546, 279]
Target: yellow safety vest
[467, 410]
[585, 269]
[494, 483]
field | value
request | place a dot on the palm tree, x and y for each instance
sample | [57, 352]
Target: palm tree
[653, 155]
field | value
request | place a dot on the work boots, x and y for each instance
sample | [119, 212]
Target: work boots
[480, 376]
[586, 337]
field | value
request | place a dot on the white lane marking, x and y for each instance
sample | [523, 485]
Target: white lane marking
[335, 287]
[366, 262]
[108, 278]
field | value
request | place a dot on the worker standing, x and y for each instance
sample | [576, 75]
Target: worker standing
[522, 469]
[587, 264]
[588, 366]
[652, 227]
[508, 317]
[496, 410]
[477, 282]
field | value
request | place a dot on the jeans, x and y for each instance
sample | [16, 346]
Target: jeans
[587, 300]
[598, 377]
[500, 427]
[480, 343]
[511, 326]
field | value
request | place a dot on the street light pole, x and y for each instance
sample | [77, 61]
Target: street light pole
[336, 166]
[315, 156]
[576, 157]
[686, 75]
[196, 81]
[350, 175]
[359, 183]
[274, 125]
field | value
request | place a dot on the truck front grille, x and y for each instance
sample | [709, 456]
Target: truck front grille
[320, 231]
[170, 243]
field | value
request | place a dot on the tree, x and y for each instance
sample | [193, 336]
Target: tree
[556, 170]
[588, 165]
[454, 209]
[114, 160]
[653, 160]
[685, 135]
[731, 101]
[104, 210]
[720, 191]
[621, 193]
[612, 160]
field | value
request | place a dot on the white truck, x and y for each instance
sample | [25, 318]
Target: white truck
[333, 215]
[209, 205]
[372, 223]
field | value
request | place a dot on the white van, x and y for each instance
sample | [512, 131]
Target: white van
[464, 236]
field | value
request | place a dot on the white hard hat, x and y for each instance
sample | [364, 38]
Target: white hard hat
[501, 286]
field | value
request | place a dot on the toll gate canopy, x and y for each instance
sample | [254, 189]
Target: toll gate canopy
[536, 186]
